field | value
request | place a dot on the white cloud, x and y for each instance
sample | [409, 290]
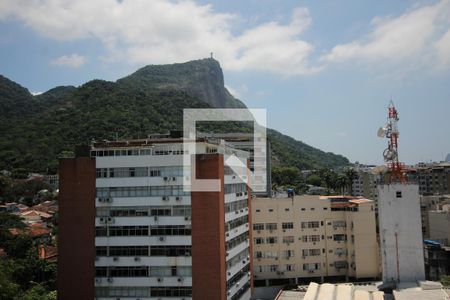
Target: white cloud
[406, 38]
[162, 31]
[73, 61]
[443, 49]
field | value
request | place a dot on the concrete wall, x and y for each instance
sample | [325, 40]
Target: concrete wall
[400, 232]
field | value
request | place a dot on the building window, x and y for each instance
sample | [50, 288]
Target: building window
[271, 226]
[287, 225]
[288, 239]
[258, 226]
[271, 240]
[259, 241]
[398, 194]
[339, 237]
[310, 224]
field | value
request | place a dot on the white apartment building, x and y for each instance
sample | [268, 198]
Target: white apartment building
[154, 240]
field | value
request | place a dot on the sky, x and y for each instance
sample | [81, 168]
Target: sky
[324, 70]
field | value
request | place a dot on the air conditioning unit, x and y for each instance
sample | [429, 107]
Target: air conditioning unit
[174, 178]
[311, 271]
[178, 198]
[162, 238]
[165, 178]
[155, 218]
[160, 279]
[110, 279]
[98, 280]
[236, 212]
[227, 234]
[108, 200]
[180, 279]
[137, 258]
[243, 261]
[165, 198]
[111, 220]
[229, 273]
[102, 220]
[187, 218]
[115, 258]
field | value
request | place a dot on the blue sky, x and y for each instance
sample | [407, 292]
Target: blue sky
[324, 70]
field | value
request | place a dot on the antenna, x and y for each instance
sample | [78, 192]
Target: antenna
[390, 154]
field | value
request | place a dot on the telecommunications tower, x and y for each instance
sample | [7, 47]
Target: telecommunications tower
[390, 154]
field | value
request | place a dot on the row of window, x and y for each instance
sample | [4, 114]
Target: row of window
[143, 230]
[288, 267]
[236, 241]
[157, 150]
[304, 253]
[241, 291]
[167, 291]
[143, 271]
[238, 276]
[171, 251]
[303, 238]
[236, 223]
[141, 191]
[288, 209]
[272, 226]
[139, 211]
[241, 256]
[235, 188]
[303, 225]
[141, 172]
[236, 205]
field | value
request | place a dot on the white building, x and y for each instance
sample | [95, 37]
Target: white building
[400, 232]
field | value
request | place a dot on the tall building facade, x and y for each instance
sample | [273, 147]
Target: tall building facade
[244, 141]
[307, 238]
[434, 179]
[400, 232]
[130, 230]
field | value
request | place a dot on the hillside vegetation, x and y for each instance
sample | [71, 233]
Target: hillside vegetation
[36, 130]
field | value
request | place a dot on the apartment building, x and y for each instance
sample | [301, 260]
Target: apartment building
[314, 238]
[427, 204]
[439, 224]
[365, 185]
[434, 179]
[130, 230]
[245, 141]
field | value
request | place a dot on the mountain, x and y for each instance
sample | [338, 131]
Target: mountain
[199, 78]
[36, 130]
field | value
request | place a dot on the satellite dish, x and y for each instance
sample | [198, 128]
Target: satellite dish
[379, 170]
[389, 154]
[381, 132]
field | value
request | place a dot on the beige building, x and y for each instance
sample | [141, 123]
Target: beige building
[321, 238]
[439, 221]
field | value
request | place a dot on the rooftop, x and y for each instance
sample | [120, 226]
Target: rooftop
[369, 291]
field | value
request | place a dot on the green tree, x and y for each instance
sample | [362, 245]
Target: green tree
[314, 179]
[351, 175]
[341, 183]
[8, 289]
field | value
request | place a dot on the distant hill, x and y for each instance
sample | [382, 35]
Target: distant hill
[38, 129]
